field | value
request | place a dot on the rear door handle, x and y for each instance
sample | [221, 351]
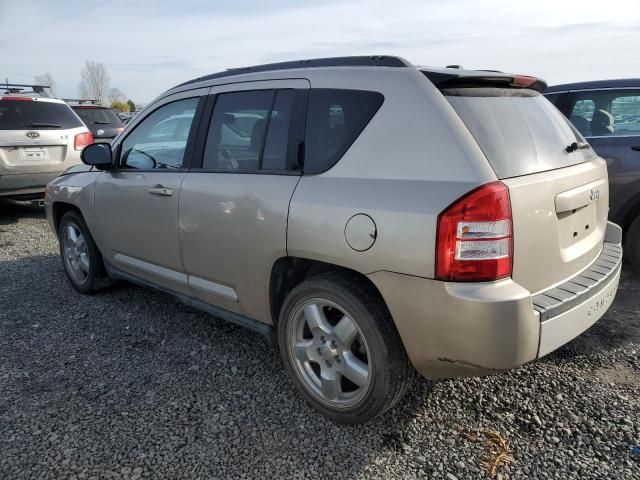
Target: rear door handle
[636, 148]
[162, 191]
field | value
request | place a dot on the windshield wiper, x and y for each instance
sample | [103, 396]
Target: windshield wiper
[576, 146]
[102, 123]
[45, 125]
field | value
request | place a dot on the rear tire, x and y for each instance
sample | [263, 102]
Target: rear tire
[80, 256]
[341, 349]
[632, 244]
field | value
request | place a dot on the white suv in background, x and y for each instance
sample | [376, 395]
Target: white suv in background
[40, 137]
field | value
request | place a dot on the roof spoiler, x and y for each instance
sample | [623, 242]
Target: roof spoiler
[9, 88]
[484, 79]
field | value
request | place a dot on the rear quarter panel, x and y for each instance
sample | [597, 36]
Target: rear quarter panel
[414, 158]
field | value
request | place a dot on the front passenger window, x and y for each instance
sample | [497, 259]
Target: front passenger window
[160, 140]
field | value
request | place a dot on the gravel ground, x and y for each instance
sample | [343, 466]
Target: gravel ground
[131, 384]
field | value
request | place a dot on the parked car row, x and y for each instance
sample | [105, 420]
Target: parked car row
[126, 117]
[103, 122]
[40, 137]
[374, 217]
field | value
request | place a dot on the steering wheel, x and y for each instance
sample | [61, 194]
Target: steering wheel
[227, 157]
[153, 160]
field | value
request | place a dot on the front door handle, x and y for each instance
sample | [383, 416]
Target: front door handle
[162, 191]
[636, 148]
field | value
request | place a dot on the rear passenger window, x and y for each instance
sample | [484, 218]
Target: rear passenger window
[335, 118]
[255, 130]
[237, 129]
[276, 148]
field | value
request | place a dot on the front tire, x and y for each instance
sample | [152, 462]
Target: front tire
[632, 244]
[341, 349]
[80, 256]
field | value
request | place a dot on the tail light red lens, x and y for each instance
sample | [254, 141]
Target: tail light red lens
[523, 81]
[475, 236]
[82, 140]
[23, 99]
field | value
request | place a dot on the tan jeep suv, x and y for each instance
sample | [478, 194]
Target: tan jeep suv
[377, 217]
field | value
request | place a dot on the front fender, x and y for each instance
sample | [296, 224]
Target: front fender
[73, 188]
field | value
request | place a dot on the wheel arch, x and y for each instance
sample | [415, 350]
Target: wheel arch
[288, 272]
[58, 209]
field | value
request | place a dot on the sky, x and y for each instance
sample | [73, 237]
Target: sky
[149, 46]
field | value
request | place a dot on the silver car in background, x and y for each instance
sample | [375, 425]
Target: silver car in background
[377, 218]
[40, 137]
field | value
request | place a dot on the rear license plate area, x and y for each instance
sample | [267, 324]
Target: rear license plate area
[34, 155]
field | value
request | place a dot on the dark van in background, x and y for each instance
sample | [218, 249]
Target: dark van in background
[103, 122]
[607, 114]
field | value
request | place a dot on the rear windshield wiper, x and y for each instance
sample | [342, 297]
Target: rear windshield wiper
[576, 146]
[45, 125]
[102, 123]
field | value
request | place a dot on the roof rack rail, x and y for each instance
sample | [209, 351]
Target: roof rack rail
[9, 88]
[81, 101]
[356, 61]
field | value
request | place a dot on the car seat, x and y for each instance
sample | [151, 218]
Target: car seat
[602, 123]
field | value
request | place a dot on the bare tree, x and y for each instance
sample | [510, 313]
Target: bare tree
[46, 79]
[94, 81]
[116, 95]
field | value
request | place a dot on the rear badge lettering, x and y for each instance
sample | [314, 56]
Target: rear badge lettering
[595, 194]
[32, 134]
[602, 302]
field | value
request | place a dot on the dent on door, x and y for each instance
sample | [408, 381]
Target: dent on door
[232, 229]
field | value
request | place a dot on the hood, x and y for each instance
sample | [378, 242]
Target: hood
[79, 168]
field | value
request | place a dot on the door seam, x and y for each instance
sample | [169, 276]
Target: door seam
[286, 236]
[179, 231]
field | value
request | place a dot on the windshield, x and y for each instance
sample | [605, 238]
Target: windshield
[99, 116]
[36, 115]
[519, 131]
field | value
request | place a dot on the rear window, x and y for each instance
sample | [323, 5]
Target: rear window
[98, 116]
[519, 131]
[335, 118]
[36, 115]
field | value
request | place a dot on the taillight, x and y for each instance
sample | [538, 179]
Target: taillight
[82, 140]
[475, 236]
[23, 99]
[119, 129]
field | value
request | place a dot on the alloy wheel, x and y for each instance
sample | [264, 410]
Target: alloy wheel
[329, 353]
[75, 253]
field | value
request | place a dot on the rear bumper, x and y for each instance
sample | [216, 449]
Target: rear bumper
[468, 329]
[25, 183]
[572, 307]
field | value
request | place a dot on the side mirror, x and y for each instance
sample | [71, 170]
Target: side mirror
[97, 155]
